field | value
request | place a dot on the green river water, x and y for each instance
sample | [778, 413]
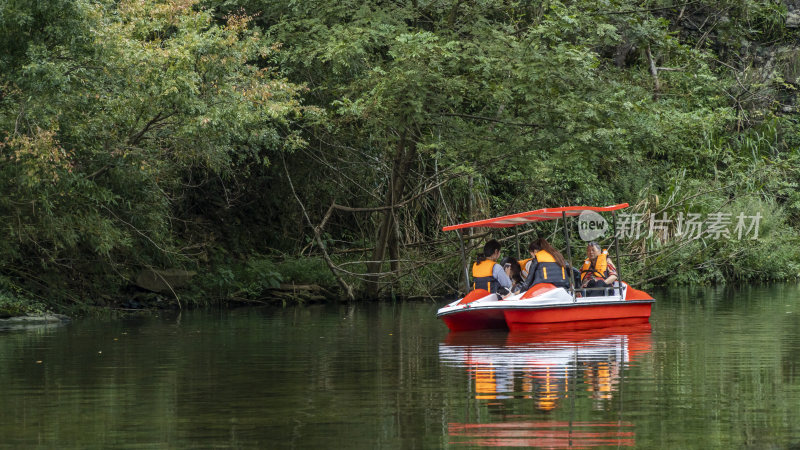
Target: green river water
[716, 368]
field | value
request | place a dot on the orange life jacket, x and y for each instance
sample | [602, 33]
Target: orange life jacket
[523, 270]
[548, 270]
[600, 269]
[482, 277]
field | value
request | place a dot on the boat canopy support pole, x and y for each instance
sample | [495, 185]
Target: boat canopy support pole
[616, 254]
[569, 256]
[464, 260]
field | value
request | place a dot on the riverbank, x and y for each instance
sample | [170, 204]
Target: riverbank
[21, 311]
[31, 321]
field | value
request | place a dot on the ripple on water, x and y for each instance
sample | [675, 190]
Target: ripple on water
[715, 369]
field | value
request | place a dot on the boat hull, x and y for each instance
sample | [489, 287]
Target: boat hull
[476, 319]
[577, 315]
[546, 307]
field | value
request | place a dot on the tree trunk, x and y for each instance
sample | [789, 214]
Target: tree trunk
[654, 74]
[387, 237]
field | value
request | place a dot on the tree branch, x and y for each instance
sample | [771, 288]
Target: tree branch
[654, 73]
[334, 270]
[133, 140]
[334, 206]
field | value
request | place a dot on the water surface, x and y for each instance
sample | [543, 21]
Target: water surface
[715, 368]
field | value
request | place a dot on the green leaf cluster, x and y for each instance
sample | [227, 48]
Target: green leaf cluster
[164, 133]
[112, 116]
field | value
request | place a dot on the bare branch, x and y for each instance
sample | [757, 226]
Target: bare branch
[133, 140]
[334, 270]
[654, 73]
[390, 207]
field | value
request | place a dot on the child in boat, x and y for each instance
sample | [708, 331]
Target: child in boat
[514, 272]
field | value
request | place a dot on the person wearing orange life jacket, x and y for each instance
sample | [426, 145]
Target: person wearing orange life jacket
[597, 271]
[487, 274]
[545, 266]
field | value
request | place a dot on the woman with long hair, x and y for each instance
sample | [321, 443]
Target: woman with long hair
[546, 265]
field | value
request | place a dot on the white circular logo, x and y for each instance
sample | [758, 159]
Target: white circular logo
[591, 226]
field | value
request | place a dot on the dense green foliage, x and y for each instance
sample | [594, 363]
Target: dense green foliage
[327, 142]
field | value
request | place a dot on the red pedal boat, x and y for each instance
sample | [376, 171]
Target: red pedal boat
[544, 306]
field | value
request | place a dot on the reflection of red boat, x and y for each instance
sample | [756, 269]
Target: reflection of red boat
[493, 358]
[547, 368]
[553, 349]
[544, 306]
[637, 340]
[551, 435]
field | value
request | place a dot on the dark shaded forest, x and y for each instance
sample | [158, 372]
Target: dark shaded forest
[187, 152]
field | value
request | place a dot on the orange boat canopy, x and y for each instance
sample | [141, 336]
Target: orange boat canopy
[538, 215]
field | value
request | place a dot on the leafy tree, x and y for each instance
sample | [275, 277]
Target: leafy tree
[111, 118]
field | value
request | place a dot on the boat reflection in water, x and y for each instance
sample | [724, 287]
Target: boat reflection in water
[563, 374]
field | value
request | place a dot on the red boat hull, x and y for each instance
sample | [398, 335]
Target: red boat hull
[577, 315]
[477, 319]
